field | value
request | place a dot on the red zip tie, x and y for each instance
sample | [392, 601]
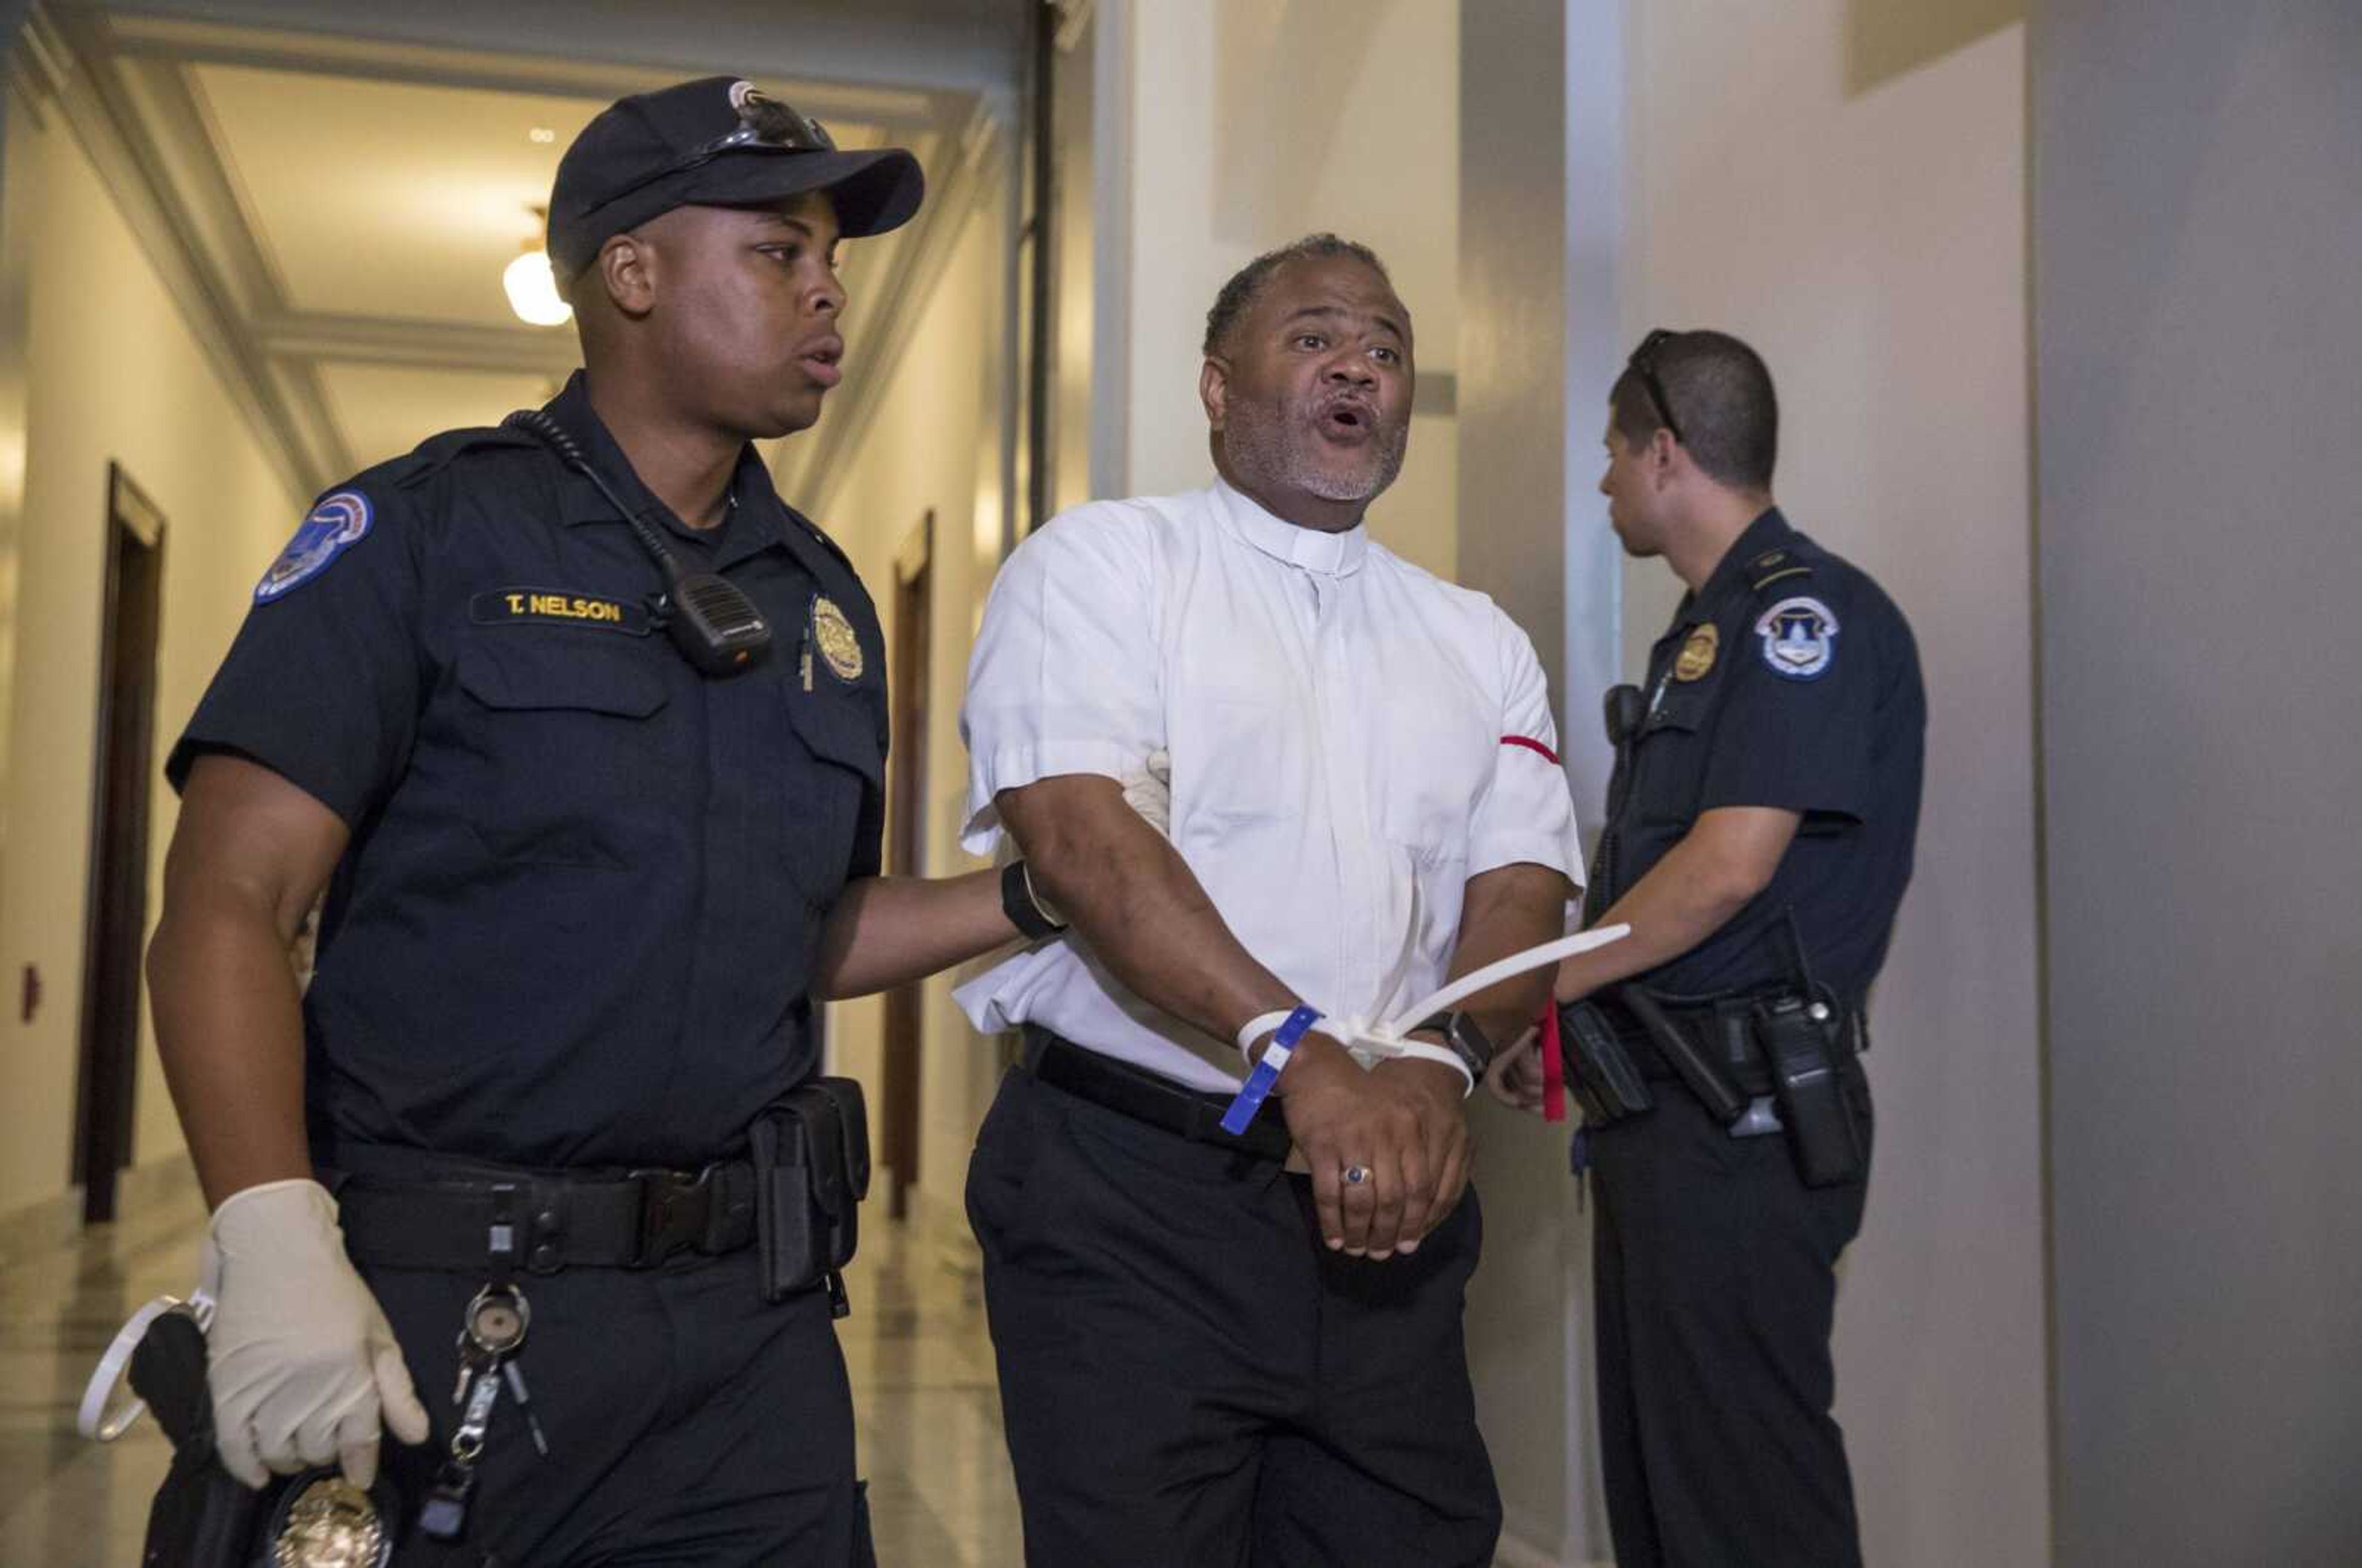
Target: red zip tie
[1553, 1065]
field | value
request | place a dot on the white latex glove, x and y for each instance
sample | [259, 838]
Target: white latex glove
[1148, 790]
[302, 1363]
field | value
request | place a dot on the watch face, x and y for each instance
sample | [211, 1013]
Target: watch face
[1467, 1040]
[1471, 1042]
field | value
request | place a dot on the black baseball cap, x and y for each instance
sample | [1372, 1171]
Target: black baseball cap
[720, 141]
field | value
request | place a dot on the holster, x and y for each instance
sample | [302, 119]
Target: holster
[1606, 1083]
[1807, 1056]
[810, 1154]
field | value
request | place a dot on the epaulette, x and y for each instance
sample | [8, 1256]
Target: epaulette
[820, 536]
[1775, 565]
[438, 452]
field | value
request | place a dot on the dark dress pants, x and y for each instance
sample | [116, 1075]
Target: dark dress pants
[1190, 1379]
[1715, 1285]
[689, 1422]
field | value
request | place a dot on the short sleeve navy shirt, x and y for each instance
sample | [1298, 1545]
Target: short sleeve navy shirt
[577, 914]
[1789, 681]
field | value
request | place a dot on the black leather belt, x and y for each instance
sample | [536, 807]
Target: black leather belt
[1142, 1096]
[554, 1221]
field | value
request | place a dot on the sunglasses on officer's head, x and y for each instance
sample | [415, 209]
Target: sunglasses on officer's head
[1643, 364]
[763, 122]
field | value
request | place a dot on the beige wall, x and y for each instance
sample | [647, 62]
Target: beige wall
[112, 374]
[1851, 199]
[1248, 123]
[933, 443]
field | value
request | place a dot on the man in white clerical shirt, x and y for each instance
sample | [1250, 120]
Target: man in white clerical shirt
[1228, 1331]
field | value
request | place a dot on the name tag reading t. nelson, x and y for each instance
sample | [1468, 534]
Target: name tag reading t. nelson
[556, 607]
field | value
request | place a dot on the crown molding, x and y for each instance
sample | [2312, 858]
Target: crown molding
[430, 345]
[300, 442]
[182, 39]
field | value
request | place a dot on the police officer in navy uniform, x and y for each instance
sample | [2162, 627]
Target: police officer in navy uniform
[1758, 839]
[584, 874]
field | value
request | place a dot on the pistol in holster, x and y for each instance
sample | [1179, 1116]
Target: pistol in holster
[810, 1153]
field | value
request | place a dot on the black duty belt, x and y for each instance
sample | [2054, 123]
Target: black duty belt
[1724, 1028]
[635, 1220]
[1145, 1096]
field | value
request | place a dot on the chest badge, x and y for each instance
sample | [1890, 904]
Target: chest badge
[1695, 661]
[1799, 638]
[832, 634]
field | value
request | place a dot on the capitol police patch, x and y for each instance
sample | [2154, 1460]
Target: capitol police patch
[1799, 638]
[335, 523]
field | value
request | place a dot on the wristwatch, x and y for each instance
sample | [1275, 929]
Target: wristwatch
[1460, 1033]
[1025, 908]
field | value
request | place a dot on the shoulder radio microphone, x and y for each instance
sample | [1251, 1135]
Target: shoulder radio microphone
[709, 618]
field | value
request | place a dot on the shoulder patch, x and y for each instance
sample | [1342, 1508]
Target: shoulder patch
[335, 522]
[1800, 639]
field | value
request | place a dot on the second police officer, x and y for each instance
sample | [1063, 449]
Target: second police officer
[580, 728]
[1758, 839]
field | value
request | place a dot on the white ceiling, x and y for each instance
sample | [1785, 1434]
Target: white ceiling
[386, 198]
[395, 198]
[345, 207]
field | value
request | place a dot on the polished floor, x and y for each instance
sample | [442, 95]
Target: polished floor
[922, 1368]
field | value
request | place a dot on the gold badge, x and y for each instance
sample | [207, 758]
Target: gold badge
[834, 636]
[1696, 657]
[330, 1522]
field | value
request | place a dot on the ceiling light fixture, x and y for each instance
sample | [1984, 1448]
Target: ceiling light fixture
[532, 288]
[541, 135]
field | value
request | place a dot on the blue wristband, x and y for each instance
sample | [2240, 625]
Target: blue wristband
[1266, 1072]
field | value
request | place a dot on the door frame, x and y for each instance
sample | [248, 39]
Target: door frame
[909, 673]
[123, 772]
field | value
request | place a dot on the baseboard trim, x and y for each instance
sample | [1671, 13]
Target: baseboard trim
[1512, 1551]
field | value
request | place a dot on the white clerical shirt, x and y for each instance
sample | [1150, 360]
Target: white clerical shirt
[1352, 740]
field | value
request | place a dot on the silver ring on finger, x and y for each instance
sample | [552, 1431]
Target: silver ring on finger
[1356, 1175]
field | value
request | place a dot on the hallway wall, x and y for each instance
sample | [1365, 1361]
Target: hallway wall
[934, 442]
[1844, 185]
[112, 373]
[2200, 363]
[1248, 123]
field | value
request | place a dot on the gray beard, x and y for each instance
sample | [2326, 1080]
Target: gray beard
[1266, 448]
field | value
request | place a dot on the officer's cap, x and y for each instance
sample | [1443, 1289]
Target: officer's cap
[716, 141]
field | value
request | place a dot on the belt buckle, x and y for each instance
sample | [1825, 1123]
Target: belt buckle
[672, 1215]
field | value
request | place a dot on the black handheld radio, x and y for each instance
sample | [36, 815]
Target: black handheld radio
[709, 618]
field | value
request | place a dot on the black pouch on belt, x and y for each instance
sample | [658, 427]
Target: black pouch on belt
[1606, 1084]
[1801, 1040]
[810, 1152]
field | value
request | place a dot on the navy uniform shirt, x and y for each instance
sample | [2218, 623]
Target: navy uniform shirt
[1789, 681]
[585, 884]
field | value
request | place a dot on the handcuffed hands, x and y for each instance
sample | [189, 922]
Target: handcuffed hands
[1401, 1123]
[303, 1366]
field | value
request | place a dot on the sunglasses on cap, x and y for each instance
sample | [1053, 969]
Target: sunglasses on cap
[1643, 364]
[763, 122]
